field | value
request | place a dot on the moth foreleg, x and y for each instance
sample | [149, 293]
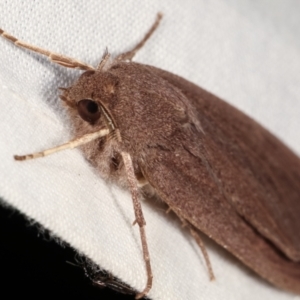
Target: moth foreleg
[139, 219]
[131, 53]
[60, 59]
[69, 145]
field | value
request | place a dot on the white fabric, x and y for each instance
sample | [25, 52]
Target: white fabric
[247, 52]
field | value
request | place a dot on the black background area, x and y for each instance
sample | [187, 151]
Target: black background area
[34, 266]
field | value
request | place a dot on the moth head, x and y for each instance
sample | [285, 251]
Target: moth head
[88, 101]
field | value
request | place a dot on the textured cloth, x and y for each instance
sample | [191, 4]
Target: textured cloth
[247, 52]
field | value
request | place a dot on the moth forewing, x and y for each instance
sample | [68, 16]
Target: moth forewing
[245, 191]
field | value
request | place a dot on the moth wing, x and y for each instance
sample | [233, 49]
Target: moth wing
[241, 185]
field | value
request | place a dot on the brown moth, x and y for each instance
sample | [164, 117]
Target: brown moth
[218, 170]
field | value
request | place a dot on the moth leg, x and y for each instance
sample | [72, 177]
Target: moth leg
[168, 210]
[60, 59]
[131, 53]
[69, 145]
[201, 245]
[139, 219]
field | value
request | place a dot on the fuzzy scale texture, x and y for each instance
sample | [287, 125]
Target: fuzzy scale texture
[247, 53]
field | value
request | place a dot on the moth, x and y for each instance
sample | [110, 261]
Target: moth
[219, 171]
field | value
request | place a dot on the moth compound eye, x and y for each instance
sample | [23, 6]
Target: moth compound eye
[88, 110]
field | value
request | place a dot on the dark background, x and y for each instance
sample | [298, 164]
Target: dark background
[33, 265]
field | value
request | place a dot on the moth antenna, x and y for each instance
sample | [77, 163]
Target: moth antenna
[131, 53]
[69, 145]
[139, 219]
[57, 58]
